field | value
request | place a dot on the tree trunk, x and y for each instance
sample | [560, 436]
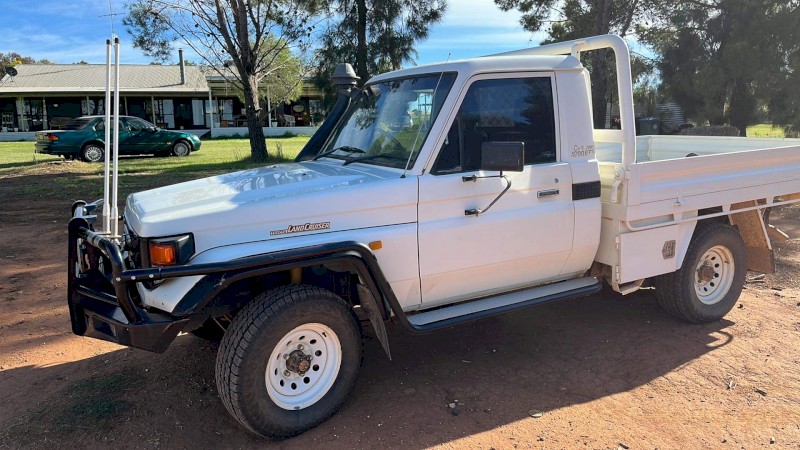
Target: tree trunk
[258, 146]
[599, 80]
[599, 74]
[361, 41]
[742, 108]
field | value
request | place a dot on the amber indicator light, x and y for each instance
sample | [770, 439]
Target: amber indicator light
[162, 254]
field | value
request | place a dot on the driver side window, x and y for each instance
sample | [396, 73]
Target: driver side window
[135, 125]
[501, 110]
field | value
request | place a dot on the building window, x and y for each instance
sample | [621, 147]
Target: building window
[92, 107]
[33, 114]
[8, 119]
[225, 111]
[165, 113]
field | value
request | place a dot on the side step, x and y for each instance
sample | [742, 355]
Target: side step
[503, 303]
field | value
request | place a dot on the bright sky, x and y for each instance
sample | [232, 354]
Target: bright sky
[68, 31]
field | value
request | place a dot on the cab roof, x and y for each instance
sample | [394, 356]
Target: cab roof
[484, 64]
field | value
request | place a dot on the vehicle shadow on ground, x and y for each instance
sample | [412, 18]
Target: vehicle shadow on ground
[544, 358]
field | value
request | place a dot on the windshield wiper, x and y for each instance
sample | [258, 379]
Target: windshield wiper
[369, 157]
[344, 148]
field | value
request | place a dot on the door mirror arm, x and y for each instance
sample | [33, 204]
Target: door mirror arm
[474, 178]
[498, 155]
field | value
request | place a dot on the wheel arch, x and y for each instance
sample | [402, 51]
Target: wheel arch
[94, 141]
[752, 228]
[687, 230]
[225, 292]
[90, 142]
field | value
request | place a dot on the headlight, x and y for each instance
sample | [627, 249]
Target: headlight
[169, 251]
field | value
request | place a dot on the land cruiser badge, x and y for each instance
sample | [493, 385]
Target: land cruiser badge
[300, 228]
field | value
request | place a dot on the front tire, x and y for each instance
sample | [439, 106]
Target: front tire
[289, 360]
[709, 282]
[181, 148]
[92, 152]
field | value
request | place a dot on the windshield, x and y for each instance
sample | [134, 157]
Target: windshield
[388, 123]
[78, 124]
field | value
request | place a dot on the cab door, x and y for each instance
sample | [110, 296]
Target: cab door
[142, 137]
[526, 237]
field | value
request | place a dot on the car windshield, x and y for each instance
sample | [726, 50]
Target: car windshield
[78, 124]
[388, 123]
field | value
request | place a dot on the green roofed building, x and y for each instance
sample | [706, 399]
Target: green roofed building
[185, 97]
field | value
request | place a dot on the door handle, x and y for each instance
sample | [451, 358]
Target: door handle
[547, 193]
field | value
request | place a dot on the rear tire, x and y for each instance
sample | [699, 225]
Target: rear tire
[181, 148]
[92, 152]
[259, 373]
[709, 282]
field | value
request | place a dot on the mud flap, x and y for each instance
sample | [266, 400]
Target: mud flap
[373, 311]
[760, 256]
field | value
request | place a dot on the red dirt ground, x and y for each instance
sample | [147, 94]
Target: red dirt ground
[605, 371]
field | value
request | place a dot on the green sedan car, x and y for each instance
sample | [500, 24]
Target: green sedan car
[84, 138]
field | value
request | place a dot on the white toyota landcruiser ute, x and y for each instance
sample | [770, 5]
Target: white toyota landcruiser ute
[431, 197]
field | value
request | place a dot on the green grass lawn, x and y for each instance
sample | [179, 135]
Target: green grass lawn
[765, 130]
[50, 177]
[227, 154]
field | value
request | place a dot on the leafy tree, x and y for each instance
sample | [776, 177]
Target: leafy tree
[573, 19]
[250, 37]
[374, 35]
[283, 84]
[728, 60]
[11, 59]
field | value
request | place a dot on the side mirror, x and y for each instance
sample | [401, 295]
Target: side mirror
[503, 156]
[152, 129]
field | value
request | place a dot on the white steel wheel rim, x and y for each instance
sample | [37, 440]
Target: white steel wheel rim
[294, 390]
[181, 149]
[713, 275]
[93, 153]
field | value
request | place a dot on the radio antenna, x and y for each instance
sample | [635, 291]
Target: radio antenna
[110, 16]
[419, 130]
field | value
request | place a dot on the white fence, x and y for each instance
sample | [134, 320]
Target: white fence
[268, 131]
[15, 136]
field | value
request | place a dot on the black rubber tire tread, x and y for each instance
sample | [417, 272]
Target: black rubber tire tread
[675, 291]
[263, 321]
[172, 149]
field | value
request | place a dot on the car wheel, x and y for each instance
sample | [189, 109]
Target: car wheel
[181, 148]
[710, 281]
[289, 360]
[92, 152]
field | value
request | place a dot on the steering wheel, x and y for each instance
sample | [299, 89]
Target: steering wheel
[399, 147]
